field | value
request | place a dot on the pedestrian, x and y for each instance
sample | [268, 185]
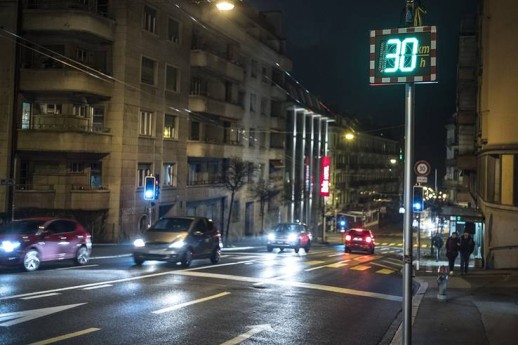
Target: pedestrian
[437, 243]
[466, 247]
[452, 250]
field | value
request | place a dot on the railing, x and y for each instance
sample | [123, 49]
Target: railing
[90, 6]
[65, 123]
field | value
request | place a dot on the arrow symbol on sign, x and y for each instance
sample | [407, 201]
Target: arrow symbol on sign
[254, 330]
[23, 316]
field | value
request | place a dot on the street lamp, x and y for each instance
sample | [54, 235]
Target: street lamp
[225, 5]
[349, 136]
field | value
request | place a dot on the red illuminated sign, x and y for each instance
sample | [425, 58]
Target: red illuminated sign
[325, 174]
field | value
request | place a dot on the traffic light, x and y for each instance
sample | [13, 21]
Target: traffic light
[157, 186]
[149, 188]
[418, 199]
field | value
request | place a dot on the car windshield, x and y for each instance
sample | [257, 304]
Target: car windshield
[172, 225]
[282, 228]
[22, 227]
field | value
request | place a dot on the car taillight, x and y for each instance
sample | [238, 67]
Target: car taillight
[347, 237]
[368, 239]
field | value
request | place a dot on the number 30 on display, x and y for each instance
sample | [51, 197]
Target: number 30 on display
[401, 55]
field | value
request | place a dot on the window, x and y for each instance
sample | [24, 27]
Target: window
[26, 115]
[253, 69]
[82, 110]
[50, 108]
[170, 125]
[146, 123]
[147, 71]
[149, 19]
[170, 175]
[265, 75]
[195, 131]
[81, 55]
[173, 31]
[264, 105]
[96, 178]
[143, 170]
[251, 137]
[253, 100]
[171, 78]
[98, 119]
[76, 167]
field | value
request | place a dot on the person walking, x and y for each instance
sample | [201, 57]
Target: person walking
[452, 250]
[466, 247]
[437, 243]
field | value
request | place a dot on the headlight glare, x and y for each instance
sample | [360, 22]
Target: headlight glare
[9, 246]
[177, 244]
[271, 237]
[139, 243]
[292, 237]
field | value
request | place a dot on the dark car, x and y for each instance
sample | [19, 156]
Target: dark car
[289, 235]
[359, 240]
[29, 242]
[179, 239]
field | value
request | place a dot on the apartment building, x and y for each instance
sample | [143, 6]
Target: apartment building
[100, 94]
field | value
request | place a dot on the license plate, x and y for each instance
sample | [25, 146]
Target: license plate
[357, 239]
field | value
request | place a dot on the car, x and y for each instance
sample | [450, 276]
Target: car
[179, 239]
[289, 235]
[359, 239]
[31, 241]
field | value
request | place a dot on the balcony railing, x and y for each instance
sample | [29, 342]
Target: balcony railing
[65, 123]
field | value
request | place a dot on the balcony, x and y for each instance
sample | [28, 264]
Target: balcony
[204, 104]
[89, 199]
[45, 197]
[75, 20]
[63, 80]
[216, 65]
[38, 196]
[204, 149]
[63, 133]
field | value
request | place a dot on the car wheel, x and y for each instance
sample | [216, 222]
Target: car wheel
[371, 252]
[269, 249]
[347, 250]
[138, 261]
[216, 255]
[82, 256]
[307, 247]
[297, 248]
[31, 260]
[187, 258]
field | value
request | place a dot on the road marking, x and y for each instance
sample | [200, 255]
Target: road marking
[41, 296]
[178, 306]
[313, 262]
[27, 315]
[314, 268]
[66, 336]
[385, 271]
[73, 267]
[254, 330]
[360, 268]
[292, 284]
[337, 264]
[98, 287]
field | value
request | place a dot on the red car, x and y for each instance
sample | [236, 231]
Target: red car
[359, 240]
[29, 242]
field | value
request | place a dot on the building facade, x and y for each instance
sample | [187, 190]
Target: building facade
[99, 94]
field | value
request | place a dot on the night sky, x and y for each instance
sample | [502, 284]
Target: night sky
[328, 42]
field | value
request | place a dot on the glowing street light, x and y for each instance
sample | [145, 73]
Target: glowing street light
[225, 5]
[349, 136]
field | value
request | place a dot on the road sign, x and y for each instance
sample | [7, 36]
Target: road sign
[403, 55]
[422, 179]
[7, 182]
[422, 168]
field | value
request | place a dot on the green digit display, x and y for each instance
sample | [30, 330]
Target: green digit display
[401, 55]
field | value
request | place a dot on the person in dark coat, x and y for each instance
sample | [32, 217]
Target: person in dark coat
[466, 247]
[452, 250]
[437, 243]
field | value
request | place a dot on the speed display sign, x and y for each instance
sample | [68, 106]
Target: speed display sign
[404, 55]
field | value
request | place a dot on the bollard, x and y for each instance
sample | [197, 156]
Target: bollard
[442, 283]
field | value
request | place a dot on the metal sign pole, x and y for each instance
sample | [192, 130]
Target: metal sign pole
[407, 226]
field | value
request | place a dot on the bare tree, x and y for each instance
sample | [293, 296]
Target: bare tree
[237, 174]
[265, 192]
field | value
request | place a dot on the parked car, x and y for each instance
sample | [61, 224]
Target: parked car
[179, 239]
[29, 242]
[289, 235]
[358, 239]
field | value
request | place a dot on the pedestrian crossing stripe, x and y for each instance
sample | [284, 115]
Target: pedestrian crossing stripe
[313, 262]
[360, 268]
[337, 265]
[384, 271]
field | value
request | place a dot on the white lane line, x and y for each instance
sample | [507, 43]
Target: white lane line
[293, 284]
[76, 287]
[109, 256]
[178, 306]
[66, 336]
[98, 287]
[41, 296]
[73, 267]
[314, 268]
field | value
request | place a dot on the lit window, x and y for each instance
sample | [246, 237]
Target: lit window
[143, 170]
[170, 124]
[170, 174]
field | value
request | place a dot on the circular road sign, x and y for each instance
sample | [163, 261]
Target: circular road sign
[422, 168]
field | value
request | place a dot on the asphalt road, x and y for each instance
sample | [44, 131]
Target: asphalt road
[251, 297]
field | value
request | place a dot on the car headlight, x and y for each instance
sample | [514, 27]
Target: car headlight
[177, 244]
[271, 237]
[139, 243]
[9, 246]
[292, 237]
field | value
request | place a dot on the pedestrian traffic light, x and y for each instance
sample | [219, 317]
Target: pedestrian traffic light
[418, 199]
[149, 188]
